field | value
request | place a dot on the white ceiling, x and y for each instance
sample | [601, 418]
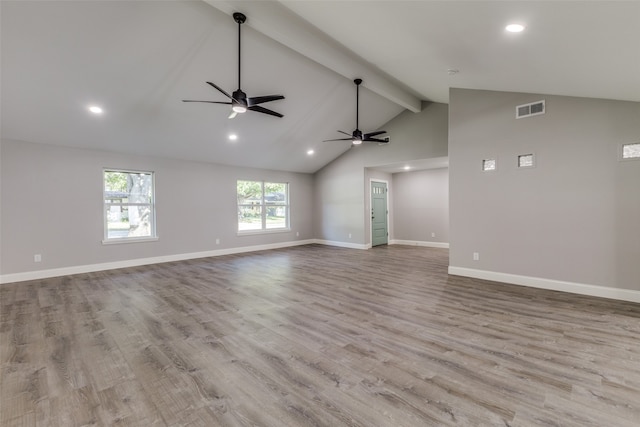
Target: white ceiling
[574, 48]
[139, 59]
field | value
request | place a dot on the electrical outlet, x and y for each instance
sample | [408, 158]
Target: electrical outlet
[476, 256]
[217, 241]
[297, 234]
[433, 234]
[37, 258]
[349, 235]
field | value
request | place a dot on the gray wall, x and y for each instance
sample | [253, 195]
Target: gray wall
[339, 201]
[341, 195]
[52, 205]
[574, 217]
[421, 205]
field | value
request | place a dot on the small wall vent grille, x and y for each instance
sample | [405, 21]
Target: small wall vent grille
[531, 109]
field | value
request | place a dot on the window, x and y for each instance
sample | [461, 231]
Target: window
[489, 165]
[631, 151]
[525, 161]
[129, 212]
[262, 206]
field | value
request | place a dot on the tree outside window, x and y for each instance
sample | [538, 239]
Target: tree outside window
[128, 205]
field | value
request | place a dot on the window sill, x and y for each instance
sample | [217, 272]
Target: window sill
[256, 232]
[129, 240]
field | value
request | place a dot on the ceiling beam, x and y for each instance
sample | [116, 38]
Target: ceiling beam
[276, 21]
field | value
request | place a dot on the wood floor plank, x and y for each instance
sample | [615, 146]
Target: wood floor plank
[313, 336]
[127, 404]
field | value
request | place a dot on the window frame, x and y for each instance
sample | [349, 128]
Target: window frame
[152, 207]
[493, 159]
[521, 166]
[264, 209]
[621, 156]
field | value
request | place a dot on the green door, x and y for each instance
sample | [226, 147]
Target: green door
[379, 233]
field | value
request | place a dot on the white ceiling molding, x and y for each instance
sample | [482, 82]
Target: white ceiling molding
[281, 24]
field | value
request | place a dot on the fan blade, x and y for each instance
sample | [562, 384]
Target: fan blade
[262, 99]
[344, 133]
[264, 110]
[222, 91]
[341, 139]
[208, 102]
[233, 114]
[369, 135]
[375, 140]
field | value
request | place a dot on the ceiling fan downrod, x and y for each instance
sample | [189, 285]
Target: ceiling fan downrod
[240, 18]
[358, 82]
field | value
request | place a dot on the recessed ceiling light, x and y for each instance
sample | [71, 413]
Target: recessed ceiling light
[95, 109]
[407, 168]
[515, 28]
[233, 137]
[310, 152]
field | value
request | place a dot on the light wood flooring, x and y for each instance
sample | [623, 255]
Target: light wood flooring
[313, 336]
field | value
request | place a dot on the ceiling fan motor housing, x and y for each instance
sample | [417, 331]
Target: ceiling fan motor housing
[239, 98]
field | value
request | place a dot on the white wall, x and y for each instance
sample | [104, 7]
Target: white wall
[52, 205]
[573, 218]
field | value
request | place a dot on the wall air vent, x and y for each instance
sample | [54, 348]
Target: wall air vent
[531, 109]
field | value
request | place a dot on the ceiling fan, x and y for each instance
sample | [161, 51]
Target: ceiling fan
[357, 137]
[239, 101]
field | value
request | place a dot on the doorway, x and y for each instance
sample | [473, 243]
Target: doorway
[379, 213]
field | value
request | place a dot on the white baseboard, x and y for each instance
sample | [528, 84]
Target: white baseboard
[555, 285]
[66, 271]
[419, 243]
[342, 244]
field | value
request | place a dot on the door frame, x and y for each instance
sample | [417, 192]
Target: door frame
[384, 181]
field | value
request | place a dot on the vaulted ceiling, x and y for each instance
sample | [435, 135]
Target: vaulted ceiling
[138, 60]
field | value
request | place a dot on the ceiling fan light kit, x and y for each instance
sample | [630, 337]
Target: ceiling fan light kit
[239, 101]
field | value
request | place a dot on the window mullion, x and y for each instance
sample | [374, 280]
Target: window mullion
[263, 209]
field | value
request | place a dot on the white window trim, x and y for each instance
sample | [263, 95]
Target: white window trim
[269, 231]
[263, 205]
[123, 240]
